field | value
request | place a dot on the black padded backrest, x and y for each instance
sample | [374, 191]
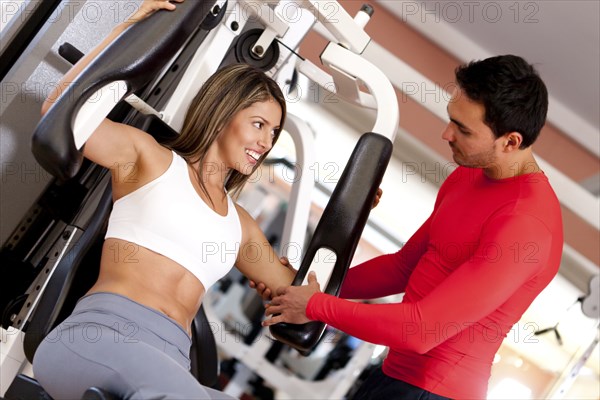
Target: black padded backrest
[50, 305]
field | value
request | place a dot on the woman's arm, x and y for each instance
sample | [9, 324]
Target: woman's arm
[112, 145]
[147, 8]
[257, 259]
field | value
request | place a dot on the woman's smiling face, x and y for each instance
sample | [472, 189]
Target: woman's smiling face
[249, 135]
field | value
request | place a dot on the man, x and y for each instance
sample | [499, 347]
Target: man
[491, 245]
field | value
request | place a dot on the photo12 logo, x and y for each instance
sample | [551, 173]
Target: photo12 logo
[471, 11]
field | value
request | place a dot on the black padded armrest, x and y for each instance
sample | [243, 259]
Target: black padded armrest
[135, 57]
[340, 228]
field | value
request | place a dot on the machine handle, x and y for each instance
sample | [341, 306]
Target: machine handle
[135, 57]
[340, 228]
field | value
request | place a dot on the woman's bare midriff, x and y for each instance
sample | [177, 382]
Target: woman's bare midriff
[150, 279]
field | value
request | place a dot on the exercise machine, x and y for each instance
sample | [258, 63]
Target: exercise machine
[157, 66]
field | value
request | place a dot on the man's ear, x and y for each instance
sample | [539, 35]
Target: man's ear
[512, 141]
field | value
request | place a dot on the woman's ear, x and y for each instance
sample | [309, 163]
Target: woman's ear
[222, 125]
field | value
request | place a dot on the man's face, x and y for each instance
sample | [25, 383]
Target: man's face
[472, 142]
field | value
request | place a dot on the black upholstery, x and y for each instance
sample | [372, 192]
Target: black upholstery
[203, 354]
[45, 316]
[25, 388]
[340, 228]
[136, 56]
[95, 393]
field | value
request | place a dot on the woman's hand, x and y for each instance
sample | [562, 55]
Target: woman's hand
[262, 289]
[149, 7]
[290, 303]
[377, 198]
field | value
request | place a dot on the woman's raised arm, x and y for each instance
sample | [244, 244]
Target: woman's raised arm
[112, 145]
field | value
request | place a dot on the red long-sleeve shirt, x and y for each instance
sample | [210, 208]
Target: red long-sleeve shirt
[468, 274]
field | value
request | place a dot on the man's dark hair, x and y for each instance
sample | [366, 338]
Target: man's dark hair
[513, 94]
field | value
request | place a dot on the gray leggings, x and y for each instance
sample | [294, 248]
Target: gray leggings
[121, 346]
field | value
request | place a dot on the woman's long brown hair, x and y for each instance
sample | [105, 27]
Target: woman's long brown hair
[228, 91]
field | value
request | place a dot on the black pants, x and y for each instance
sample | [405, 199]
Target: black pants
[379, 386]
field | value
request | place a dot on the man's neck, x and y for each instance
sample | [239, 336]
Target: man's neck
[520, 163]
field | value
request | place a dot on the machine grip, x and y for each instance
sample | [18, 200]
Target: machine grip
[340, 228]
[135, 57]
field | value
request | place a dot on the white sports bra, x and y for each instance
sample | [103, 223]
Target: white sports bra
[168, 217]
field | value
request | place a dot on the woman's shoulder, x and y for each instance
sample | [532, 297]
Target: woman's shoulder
[247, 222]
[152, 161]
[244, 215]
[154, 158]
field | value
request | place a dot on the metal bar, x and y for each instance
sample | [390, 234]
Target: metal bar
[23, 34]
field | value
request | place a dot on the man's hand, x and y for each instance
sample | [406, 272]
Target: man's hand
[290, 303]
[262, 290]
[377, 198]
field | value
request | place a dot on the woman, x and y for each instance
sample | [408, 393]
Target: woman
[130, 334]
